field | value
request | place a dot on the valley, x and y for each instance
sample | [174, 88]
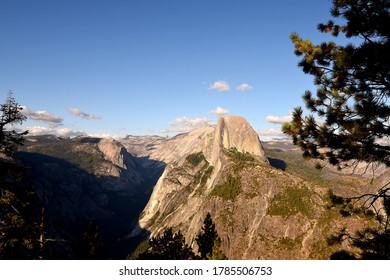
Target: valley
[265, 200]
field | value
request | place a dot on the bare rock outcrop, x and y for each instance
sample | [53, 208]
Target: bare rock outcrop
[185, 191]
[113, 151]
[233, 132]
[177, 148]
[120, 167]
[167, 150]
[260, 212]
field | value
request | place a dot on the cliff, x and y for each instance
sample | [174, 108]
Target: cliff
[233, 132]
[252, 203]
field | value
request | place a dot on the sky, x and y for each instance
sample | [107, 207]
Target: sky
[154, 67]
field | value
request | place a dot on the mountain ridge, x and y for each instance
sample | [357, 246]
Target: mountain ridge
[260, 211]
[266, 202]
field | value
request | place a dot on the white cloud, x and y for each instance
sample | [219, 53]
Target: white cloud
[103, 135]
[38, 130]
[79, 113]
[244, 87]
[220, 86]
[42, 116]
[271, 132]
[184, 124]
[63, 132]
[67, 132]
[279, 120]
[220, 111]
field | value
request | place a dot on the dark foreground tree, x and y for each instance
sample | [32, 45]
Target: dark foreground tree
[352, 99]
[168, 246]
[10, 139]
[208, 241]
[19, 235]
[353, 87]
[172, 246]
[374, 244]
[92, 242]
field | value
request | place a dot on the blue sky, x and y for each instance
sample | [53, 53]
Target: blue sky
[104, 67]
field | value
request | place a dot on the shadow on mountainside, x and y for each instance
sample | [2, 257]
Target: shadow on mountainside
[73, 197]
[277, 163]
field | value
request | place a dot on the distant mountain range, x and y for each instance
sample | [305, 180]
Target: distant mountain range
[266, 201]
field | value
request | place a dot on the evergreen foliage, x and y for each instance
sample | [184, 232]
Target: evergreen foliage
[292, 200]
[208, 241]
[203, 174]
[66, 150]
[195, 159]
[168, 246]
[373, 244]
[353, 87]
[217, 253]
[172, 246]
[10, 139]
[229, 190]
[19, 233]
[237, 156]
[92, 241]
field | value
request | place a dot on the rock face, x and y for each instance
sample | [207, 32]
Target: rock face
[139, 186]
[233, 132]
[251, 203]
[113, 151]
[167, 149]
[121, 168]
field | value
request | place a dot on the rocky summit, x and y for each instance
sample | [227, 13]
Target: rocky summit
[208, 147]
[231, 178]
[233, 132]
[265, 201]
[261, 211]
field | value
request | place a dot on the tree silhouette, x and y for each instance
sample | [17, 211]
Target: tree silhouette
[172, 246]
[10, 139]
[19, 234]
[208, 241]
[353, 88]
[92, 242]
[168, 246]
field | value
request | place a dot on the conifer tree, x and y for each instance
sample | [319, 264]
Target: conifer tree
[216, 253]
[168, 246]
[19, 235]
[353, 87]
[352, 104]
[92, 241]
[208, 241]
[10, 139]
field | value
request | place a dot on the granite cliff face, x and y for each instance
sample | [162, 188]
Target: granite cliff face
[167, 149]
[263, 206]
[208, 144]
[233, 132]
[260, 212]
